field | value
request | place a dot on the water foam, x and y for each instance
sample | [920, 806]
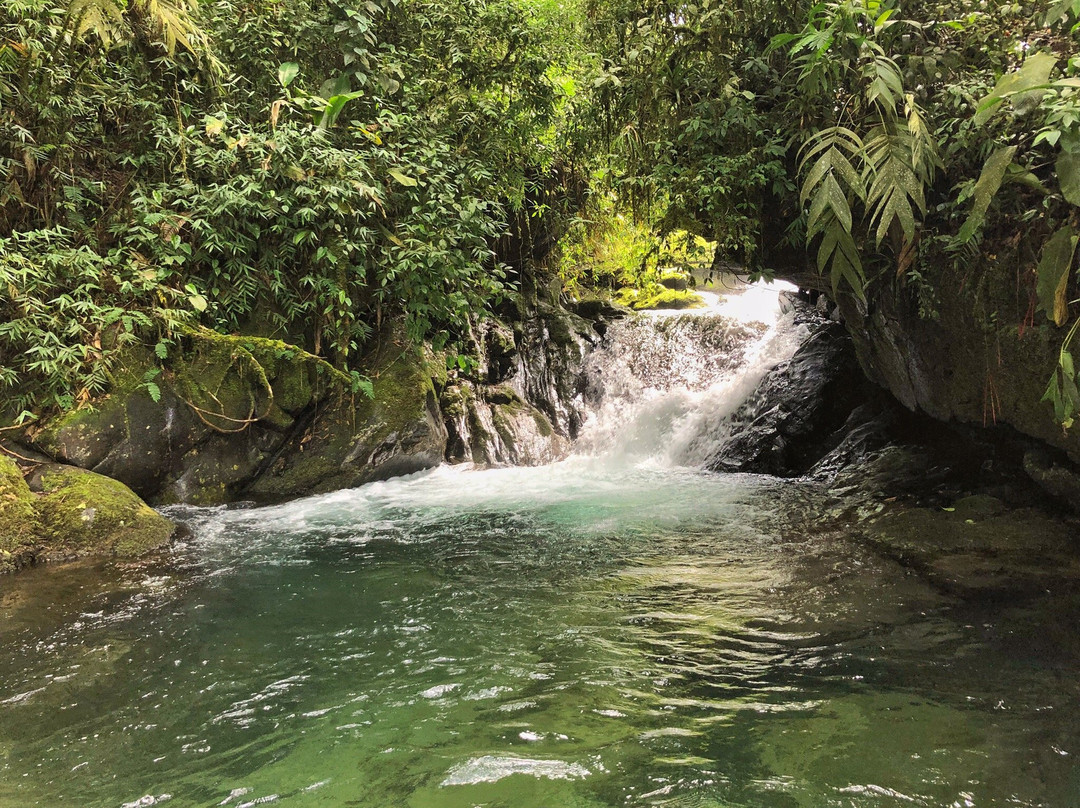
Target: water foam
[663, 386]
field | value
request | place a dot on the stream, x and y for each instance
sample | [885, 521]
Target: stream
[617, 629]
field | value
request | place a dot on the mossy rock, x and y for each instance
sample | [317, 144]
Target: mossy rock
[674, 279]
[19, 526]
[655, 296]
[83, 513]
[355, 439]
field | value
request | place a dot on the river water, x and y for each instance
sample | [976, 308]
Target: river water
[619, 629]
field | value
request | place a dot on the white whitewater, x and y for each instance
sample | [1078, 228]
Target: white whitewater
[664, 385]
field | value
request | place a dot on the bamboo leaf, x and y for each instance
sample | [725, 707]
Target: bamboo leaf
[404, 179]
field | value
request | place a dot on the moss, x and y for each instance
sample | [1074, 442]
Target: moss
[670, 299]
[83, 513]
[655, 296]
[19, 526]
[674, 279]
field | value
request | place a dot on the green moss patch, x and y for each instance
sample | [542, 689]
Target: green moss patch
[655, 296]
[19, 527]
[83, 513]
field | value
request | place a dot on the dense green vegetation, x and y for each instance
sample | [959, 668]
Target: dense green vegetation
[314, 170]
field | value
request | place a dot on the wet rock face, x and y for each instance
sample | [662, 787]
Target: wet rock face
[794, 418]
[974, 363]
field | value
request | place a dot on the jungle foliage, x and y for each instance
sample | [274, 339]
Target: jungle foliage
[313, 169]
[306, 169]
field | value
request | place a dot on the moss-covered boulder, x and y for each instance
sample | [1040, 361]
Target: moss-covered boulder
[224, 407]
[19, 526]
[82, 513]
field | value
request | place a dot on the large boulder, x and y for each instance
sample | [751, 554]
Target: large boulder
[978, 360]
[63, 513]
[792, 419]
[223, 409]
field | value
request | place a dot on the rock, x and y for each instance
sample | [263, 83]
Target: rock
[243, 417]
[79, 513]
[791, 422]
[495, 426]
[979, 547]
[1057, 479]
[20, 530]
[974, 362]
[225, 407]
[354, 440]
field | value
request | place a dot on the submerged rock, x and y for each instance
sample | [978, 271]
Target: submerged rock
[976, 546]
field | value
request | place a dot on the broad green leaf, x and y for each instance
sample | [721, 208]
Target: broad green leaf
[286, 72]
[993, 172]
[1020, 85]
[335, 86]
[404, 179]
[1053, 274]
[1068, 174]
[214, 126]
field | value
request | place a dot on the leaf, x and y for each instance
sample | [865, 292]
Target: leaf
[1024, 82]
[154, 391]
[1053, 274]
[335, 86]
[286, 72]
[198, 302]
[993, 172]
[161, 350]
[404, 179]
[214, 126]
[1068, 173]
[334, 105]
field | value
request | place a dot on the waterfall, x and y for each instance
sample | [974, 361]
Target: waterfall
[662, 387]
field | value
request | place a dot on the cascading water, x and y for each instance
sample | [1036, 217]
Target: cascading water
[663, 385]
[618, 629]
